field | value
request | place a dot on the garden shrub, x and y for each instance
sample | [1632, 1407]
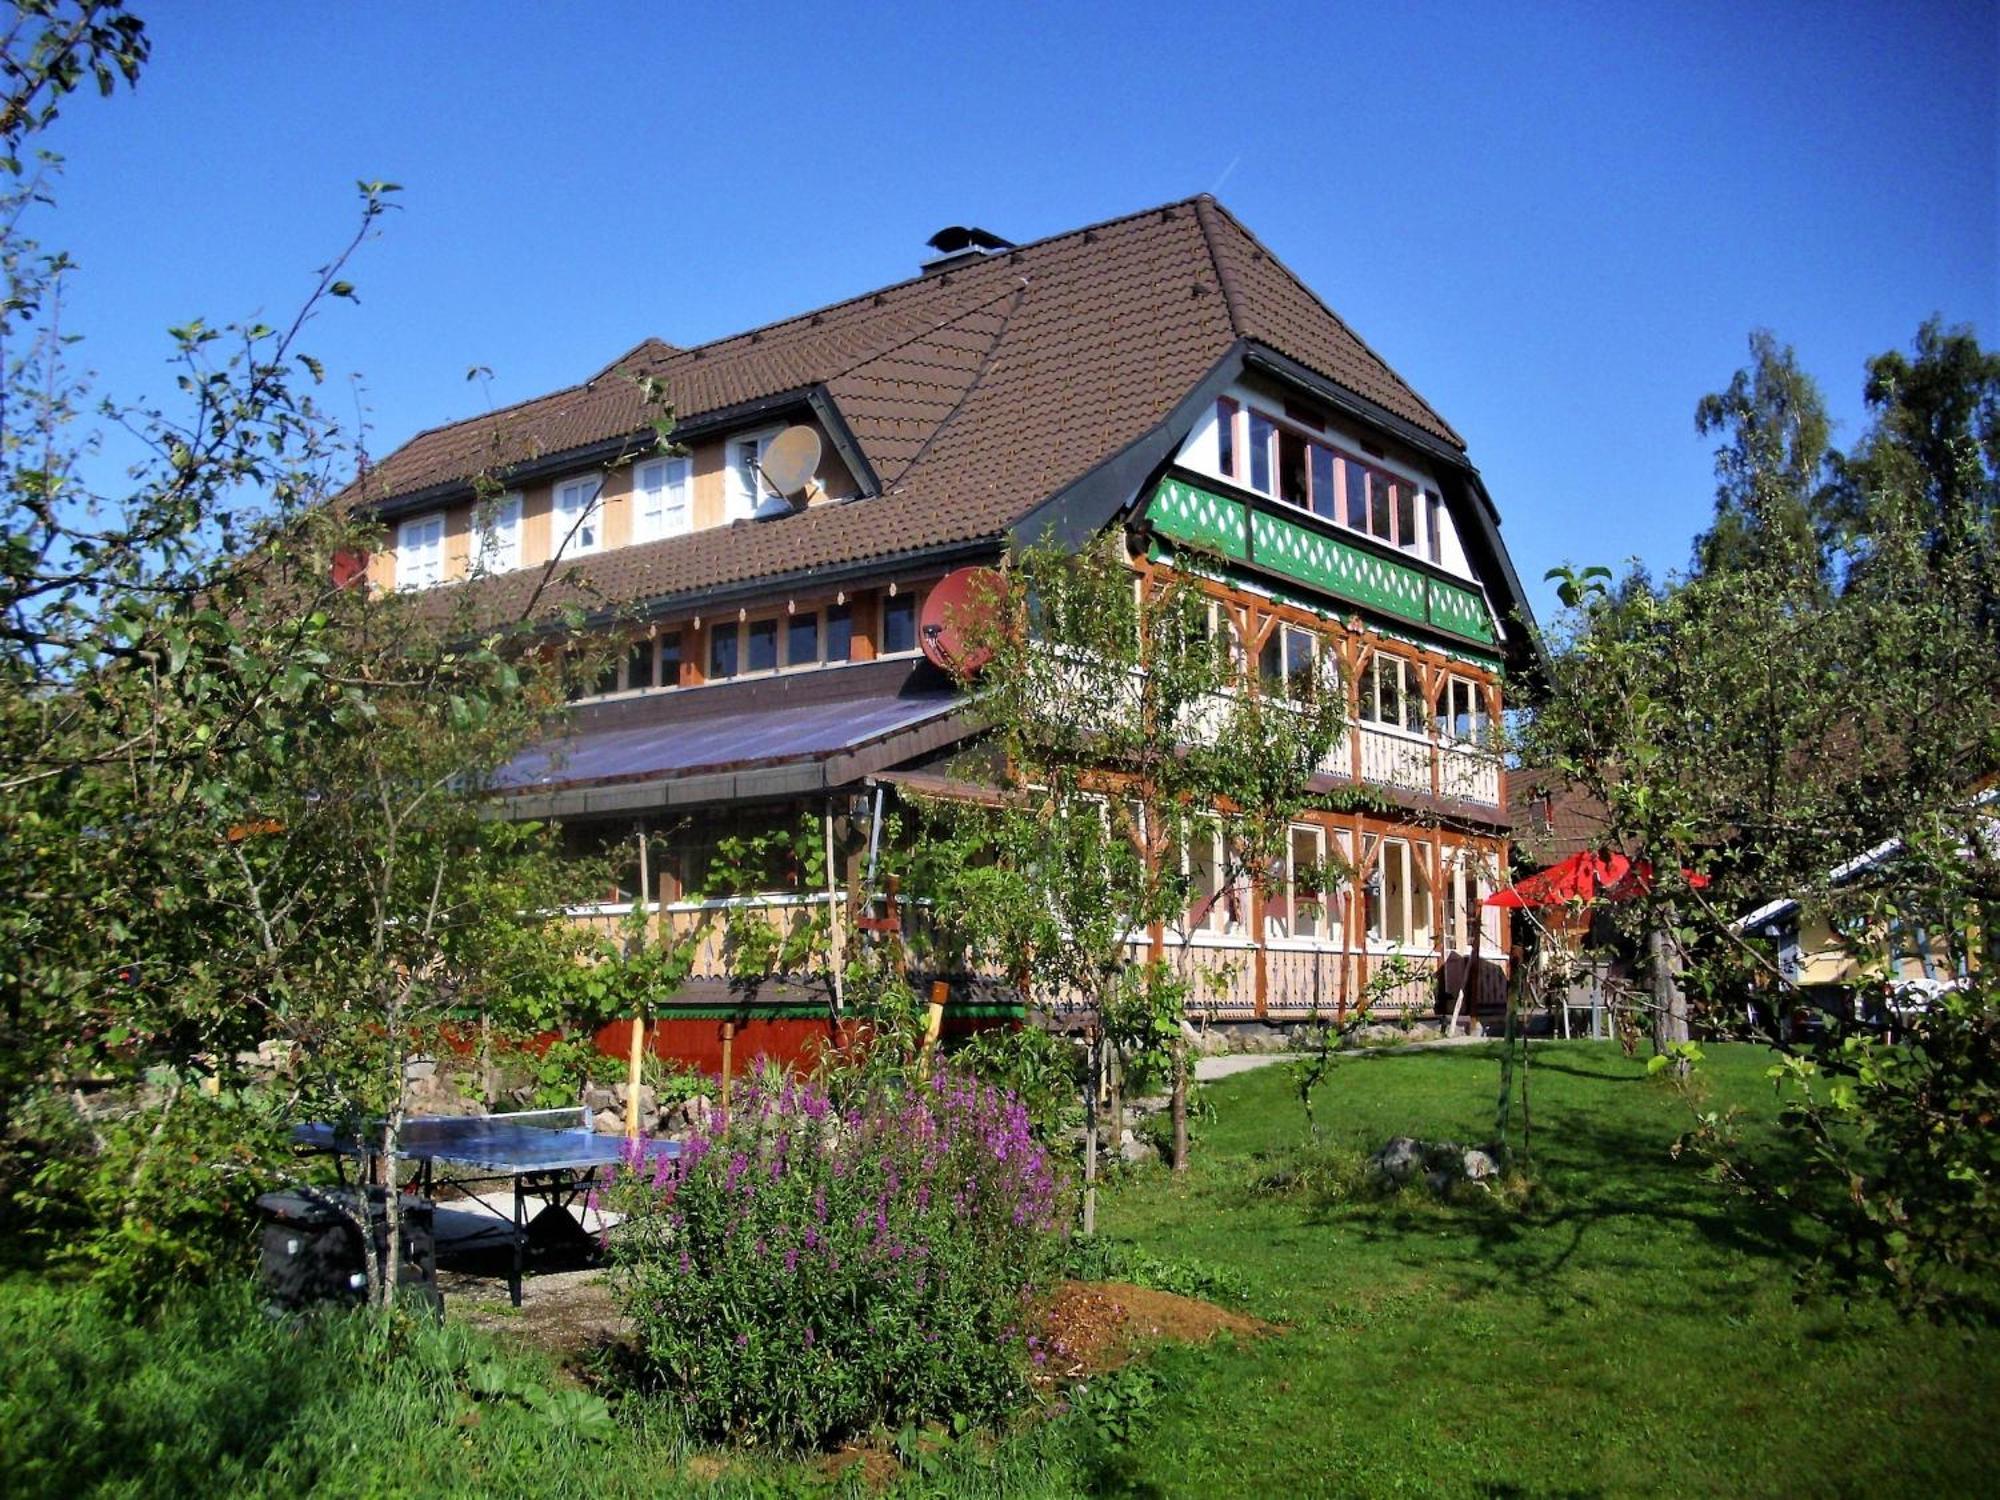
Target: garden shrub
[155, 1196]
[803, 1273]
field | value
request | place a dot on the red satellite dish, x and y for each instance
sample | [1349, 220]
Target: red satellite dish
[350, 566]
[953, 612]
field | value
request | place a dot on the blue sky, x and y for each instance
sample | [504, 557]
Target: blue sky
[1558, 222]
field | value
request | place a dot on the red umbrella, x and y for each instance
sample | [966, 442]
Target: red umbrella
[1584, 877]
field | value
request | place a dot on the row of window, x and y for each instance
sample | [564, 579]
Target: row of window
[1399, 906]
[1258, 451]
[771, 643]
[662, 506]
[1295, 661]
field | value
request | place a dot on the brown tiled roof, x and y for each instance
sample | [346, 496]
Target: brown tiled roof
[975, 393]
[1553, 817]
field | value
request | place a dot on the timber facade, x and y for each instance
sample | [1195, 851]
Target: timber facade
[1162, 377]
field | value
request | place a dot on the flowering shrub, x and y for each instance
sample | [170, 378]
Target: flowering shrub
[801, 1273]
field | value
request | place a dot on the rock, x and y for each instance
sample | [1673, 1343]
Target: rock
[1439, 1183]
[1478, 1166]
[1201, 1041]
[597, 1096]
[648, 1099]
[1134, 1150]
[1397, 1162]
[608, 1122]
[693, 1113]
[1444, 1156]
[417, 1069]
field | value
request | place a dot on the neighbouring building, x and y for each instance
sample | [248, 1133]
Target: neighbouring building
[1162, 376]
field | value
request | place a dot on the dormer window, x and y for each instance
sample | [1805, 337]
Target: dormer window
[747, 486]
[497, 524]
[660, 498]
[420, 552]
[1276, 458]
[579, 516]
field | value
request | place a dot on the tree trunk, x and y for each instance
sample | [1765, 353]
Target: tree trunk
[1670, 1016]
[1092, 1077]
[1180, 1104]
[392, 1206]
[1504, 1108]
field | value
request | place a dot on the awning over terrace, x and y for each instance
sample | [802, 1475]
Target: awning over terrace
[777, 736]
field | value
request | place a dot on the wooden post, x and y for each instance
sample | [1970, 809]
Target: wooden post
[934, 1016]
[638, 1047]
[728, 1041]
[836, 929]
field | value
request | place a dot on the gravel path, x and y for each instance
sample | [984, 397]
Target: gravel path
[1208, 1069]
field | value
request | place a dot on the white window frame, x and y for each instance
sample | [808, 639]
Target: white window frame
[420, 563]
[1468, 882]
[655, 514]
[1410, 685]
[496, 528]
[745, 494]
[1281, 917]
[1413, 858]
[1480, 717]
[1216, 925]
[564, 513]
[1323, 666]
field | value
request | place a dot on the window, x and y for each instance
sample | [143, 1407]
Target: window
[1225, 437]
[580, 680]
[1392, 693]
[420, 552]
[579, 517]
[498, 527]
[640, 663]
[1461, 713]
[1433, 506]
[839, 632]
[899, 624]
[1399, 895]
[1467, 918]
[647, 663]
[722, 657]
[760, 646]
[1354, 481]
[660, 499]
[747, 487]
[1286, 664]
[1407, 536]
[1213, 906]
[1325, 496]
[1294, 470]
[1300, 910]
[1262, 429]
[802, 639]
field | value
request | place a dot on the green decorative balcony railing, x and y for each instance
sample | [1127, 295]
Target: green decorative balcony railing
[1324, 564]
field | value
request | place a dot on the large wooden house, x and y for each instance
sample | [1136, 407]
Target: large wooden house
[1162, 375]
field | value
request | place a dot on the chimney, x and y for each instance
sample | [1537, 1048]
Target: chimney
[959, 245]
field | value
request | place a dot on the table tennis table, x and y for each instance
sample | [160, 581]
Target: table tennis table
[550, 1156]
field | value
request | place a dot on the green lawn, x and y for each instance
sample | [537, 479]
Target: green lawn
[1635, 1333]
[1632, 1332]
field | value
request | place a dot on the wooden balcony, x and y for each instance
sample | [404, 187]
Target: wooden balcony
[1417, 763]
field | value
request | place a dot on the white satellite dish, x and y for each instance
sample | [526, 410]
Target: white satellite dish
[790, 462]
